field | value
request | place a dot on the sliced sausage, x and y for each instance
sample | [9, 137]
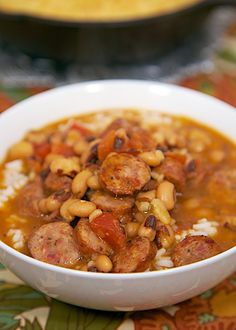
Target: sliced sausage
[136, 256]
[173, 170]
[54, 243]
[110, 203]
[54, 182]
[88, 241]
[127, 138]
[121, 207]
[193, 249]
[28, 198]
[140, 140]
[123, 174]
[116, 124]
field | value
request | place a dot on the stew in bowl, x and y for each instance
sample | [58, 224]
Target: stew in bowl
[122, 193]
[121, 189]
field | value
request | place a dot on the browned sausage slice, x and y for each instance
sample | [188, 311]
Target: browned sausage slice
[107, 202]
[173, 171]
[122, 136]
[88, 241]
[193, 249]
[56, 182]
[123, 174]
[135, 256]
[54, 243]
[28, 198]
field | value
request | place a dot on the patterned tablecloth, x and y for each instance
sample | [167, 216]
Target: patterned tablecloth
[21, 307]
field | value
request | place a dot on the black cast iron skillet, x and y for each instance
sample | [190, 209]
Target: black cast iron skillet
[116, 42]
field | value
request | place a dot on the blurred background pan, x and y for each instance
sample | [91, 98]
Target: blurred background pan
[115, 42]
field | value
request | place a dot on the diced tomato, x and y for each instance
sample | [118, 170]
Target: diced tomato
[174, 171]
[62, 149]
[177, 156]
[107, 227]
[106, 145]
[42, 149]
[141, 140]
[135, 141]
[83, 130]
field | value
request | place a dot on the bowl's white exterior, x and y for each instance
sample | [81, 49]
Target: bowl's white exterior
[126, 292]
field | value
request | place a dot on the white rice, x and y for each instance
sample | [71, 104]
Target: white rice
[17, 238]
[13, 180]
[160, 253]
[202, 227]
[165, 262]
[150, 118]
[162, 260]
[13, 220]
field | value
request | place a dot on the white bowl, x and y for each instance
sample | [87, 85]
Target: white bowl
[117, 292]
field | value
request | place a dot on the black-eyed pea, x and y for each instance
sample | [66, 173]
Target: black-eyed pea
[143, 206]
[79, 183]
[152, 158]
[91, 266]
[103, 263]
[67, 166]
[95, 214]
[148, 228]
[139, 217]
[64, 210]
[160, 211]
[93, 182]
[91, 263]
[147, 232]
[166, 236]
[147, 195]
[167, 194]
[21, 149]
[131, 229]
[48, 205]
[157, 176]
[72, 137]
[43, 205]
[81, 208]
[90, 153]
[50, 157]
[52, 204]
[159, 137]
[80, 147]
